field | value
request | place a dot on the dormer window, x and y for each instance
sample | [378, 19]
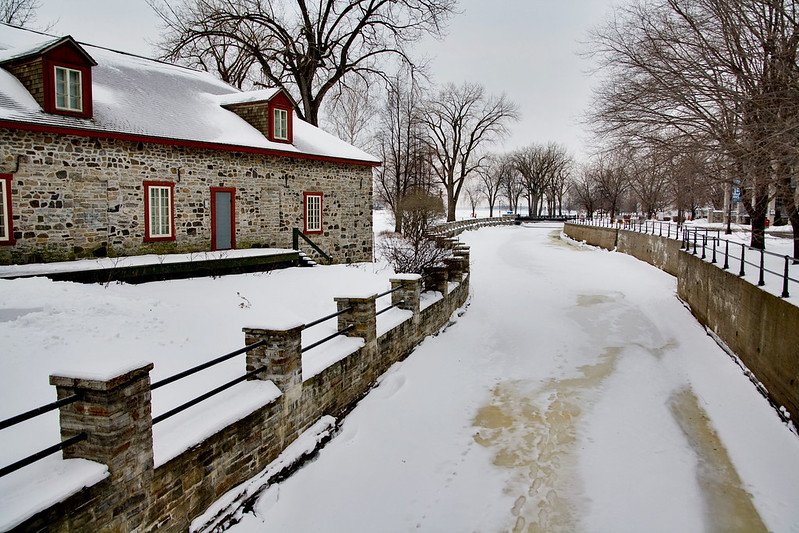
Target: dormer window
[280, 124]
[68, 89]
[270, 111]
[58, 74]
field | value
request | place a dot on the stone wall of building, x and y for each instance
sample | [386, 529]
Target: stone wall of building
[760, 328]
[139, 497]
[77, 197]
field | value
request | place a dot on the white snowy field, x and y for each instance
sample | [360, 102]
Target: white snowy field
[51, 327]
[575, 394]
[570, 395]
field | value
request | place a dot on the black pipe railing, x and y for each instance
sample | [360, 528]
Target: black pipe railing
[17, 419]
[27, 415]
[328, 317]
[205, 396]
[13, 467]
[696, 240]
[14, 420]
[328, 338]
[390, 291]
[741, 259]
[296, 235]
[389, 308]
[203, 366]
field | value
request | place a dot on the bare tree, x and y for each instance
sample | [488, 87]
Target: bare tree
[351, 112]
[512, 183]
[304, 47]
[650, 179]
[583, 190]
[539, 166]
[473, 193]
[21, 13]
[716, 74]
[414, 251]
[459, 122]
[406, 158]
[612, 181]
[491, 176]
[559, 184]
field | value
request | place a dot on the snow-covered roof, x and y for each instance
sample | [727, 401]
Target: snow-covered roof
[139, 96]
[247, 97]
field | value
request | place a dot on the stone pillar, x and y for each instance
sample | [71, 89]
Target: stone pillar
[115, 414]
[281, 355]
[436, 279]
[454, 268]
[463, 253]
[361, 315]
[410, 289]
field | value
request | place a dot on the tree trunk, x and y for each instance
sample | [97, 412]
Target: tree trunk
[757, 213]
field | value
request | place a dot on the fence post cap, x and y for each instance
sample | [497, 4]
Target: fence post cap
[364, 296]
[406, 277]
[101, 379]
[275, 326]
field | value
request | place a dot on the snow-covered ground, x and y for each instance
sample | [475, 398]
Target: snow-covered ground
[779, 245]
[575, 394]
[60, 327]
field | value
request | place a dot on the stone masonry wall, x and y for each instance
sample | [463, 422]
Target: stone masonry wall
[76, 197]
[139, 497]
[758, 327]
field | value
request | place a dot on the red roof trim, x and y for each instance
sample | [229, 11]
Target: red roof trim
[132, 137]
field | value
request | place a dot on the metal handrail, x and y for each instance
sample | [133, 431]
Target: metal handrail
[13, 467]
[329, 337]
[203, 366]
[14, 420]
[389, 307]
[694, 239]
[295, 243]
[206, 395]
[390, 291]
[328, 317]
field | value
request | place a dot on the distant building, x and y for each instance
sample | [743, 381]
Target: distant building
[106, 153]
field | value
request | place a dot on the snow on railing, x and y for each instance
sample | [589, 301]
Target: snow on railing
[708, 244]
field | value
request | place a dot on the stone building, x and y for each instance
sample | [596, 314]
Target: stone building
[106, 153]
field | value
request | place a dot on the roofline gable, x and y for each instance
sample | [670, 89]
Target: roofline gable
[44, 49]
[278, 90]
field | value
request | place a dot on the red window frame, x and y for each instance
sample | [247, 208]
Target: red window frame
[48, 79]
[305, 197]
[6, 199]
[159, 238]
[232, 191]
[289, 126]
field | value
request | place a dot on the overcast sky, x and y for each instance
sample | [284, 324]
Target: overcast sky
[527, 49]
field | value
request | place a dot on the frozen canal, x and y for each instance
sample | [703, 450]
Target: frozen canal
[575, 394]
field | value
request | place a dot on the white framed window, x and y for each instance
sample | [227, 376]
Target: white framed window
[5, 210]
[280, 124]
[159, 215]
[313, 212]
[68, 89]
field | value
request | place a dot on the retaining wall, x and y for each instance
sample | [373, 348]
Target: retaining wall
[116, 414]
[760, 328]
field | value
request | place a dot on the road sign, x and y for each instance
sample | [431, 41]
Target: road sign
[736, 194]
